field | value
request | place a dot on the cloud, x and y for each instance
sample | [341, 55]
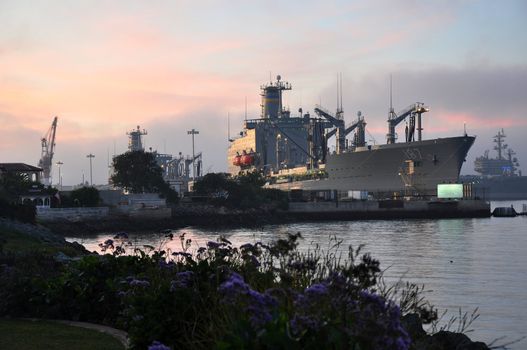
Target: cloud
[171, 66]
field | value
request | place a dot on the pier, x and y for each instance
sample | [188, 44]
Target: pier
[390, 209]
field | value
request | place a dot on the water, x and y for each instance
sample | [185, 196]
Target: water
[465, 263]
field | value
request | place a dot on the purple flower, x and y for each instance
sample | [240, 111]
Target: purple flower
[166, 265]
[213, 245]
[108, 244]
[258, 306]
[252, 259]
[183, 280]
[317, 289]
[246, 246]
[183, 254]
[121, 235]
[380, 321]
[301, 323]
[233, 286]
[158, 346]
[139, 283]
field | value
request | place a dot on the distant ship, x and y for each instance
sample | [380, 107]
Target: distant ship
[499, 177]
[293, 151]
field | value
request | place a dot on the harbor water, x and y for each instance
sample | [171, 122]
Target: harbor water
[463, 263]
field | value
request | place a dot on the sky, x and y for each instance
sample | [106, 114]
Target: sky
[104, 67]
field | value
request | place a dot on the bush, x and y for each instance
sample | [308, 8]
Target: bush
[85, 197]
[242, 192]
[252, 296]
[15, 211]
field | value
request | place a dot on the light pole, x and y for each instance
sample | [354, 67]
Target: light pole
[193, 132]
[91, 178]
[59, 163]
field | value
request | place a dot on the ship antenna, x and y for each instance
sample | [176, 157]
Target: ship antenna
[341, 108]
[391, 102]
[465, 128]
[229, 126]
[245, 108]
[338, 95]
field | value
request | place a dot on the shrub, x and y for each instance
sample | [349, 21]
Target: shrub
[253, 296]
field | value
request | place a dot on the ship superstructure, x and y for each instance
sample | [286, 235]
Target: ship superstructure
[176, 170]
[499, 177]
[279, 141]
[505, 164]
[294, 151]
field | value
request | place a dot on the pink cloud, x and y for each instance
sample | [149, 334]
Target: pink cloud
[479, 122]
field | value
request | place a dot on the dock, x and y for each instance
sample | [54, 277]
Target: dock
[390, 209]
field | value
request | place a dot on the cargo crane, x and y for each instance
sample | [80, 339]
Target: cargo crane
[338, 123]
[46, 156]
[394, 119]
[179, 168]
[359, 139]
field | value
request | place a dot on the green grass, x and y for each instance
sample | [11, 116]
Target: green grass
[48, 335]
[17, 242]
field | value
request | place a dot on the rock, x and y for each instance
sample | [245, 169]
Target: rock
[62, 258]
[413, 325]
[445, 340]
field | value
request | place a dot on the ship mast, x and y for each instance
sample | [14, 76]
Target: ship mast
[499, 139]
[135, 142]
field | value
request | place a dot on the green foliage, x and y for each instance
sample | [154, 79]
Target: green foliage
[254, 296]
[242, 192]
[12, 185]
[85, 197]
[15, 211]
[138, 172]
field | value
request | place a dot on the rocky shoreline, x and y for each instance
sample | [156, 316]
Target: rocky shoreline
[203, 216]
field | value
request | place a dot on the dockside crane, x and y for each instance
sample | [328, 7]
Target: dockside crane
[338, 123]
[413, 110]
[341, 131]
[48, 149]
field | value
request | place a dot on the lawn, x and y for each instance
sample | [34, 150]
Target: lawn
[48, 335]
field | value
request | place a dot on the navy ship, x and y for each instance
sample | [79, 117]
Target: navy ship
[499, 177]
[294, 151]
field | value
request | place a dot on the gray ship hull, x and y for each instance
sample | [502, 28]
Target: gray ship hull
[498, 187]
[417, 166]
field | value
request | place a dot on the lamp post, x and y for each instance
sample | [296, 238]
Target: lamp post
[59, 163]
[193, 132]
[91, 178]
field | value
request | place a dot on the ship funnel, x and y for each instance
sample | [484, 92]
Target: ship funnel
[272, 98]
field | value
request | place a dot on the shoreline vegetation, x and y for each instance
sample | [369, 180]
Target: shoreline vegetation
[263, 296]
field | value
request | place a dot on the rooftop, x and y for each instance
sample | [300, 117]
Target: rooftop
[18, 167]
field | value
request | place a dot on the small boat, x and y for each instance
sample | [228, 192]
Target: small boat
[504, 212]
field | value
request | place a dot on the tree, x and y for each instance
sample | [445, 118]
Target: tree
[244, 191]
[12, 185]
[138, 172]
[85, 196]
